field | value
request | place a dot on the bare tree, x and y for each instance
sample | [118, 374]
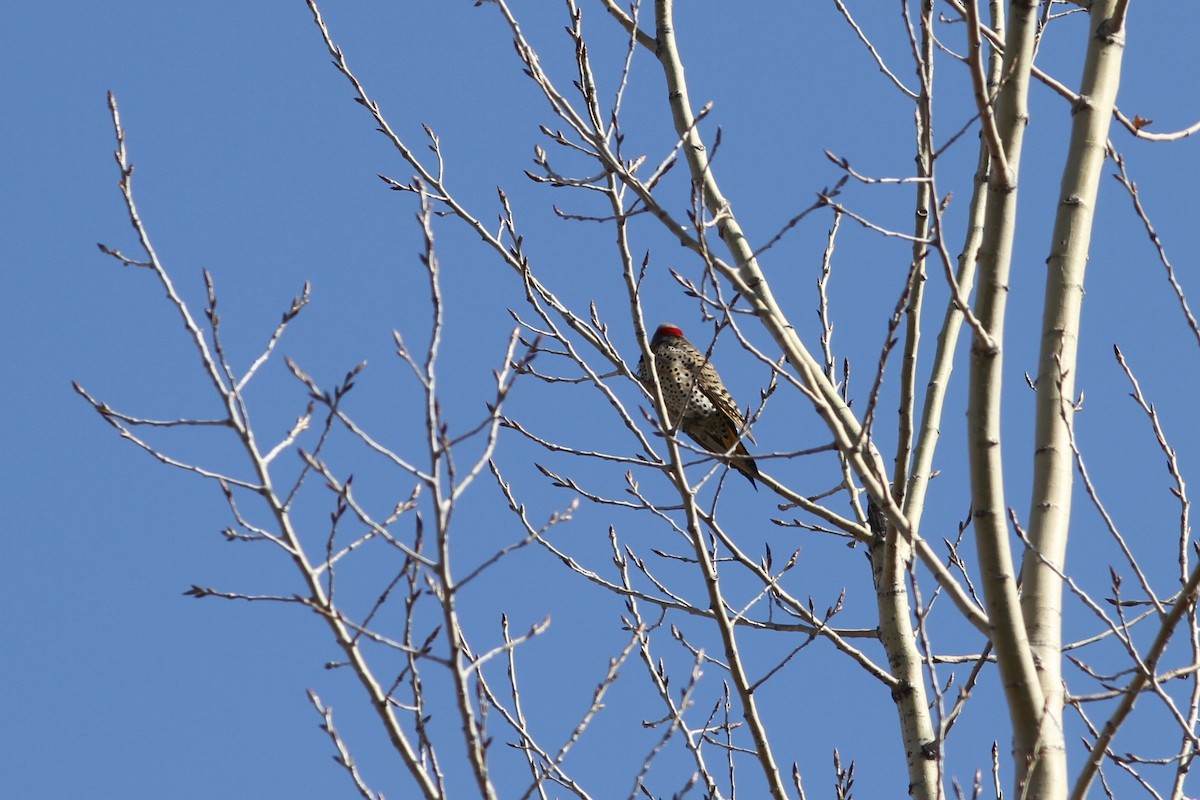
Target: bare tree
[715, 623]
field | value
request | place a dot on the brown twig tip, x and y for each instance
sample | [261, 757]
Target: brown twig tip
[841, 161]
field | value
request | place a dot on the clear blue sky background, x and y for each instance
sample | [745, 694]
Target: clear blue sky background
[253, 162]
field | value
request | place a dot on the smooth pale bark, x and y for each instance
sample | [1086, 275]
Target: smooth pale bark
[1005, 135]
[1053, 459]
[948, 334]
[889, 563]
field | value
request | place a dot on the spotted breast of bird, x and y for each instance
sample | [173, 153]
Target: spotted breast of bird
[697, 401]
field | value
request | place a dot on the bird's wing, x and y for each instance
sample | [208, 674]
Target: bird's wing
[712, 387]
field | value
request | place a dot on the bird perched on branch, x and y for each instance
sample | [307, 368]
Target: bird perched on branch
[697, 401]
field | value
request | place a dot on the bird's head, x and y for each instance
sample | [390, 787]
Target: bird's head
[665, 330]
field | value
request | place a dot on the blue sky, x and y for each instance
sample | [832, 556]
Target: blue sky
[253, 163]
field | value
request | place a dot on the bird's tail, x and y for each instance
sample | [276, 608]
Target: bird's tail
[743, 463]
[729, 449]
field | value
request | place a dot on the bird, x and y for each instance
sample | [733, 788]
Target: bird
[697, 402]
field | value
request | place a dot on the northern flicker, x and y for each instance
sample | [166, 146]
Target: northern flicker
[697, 401]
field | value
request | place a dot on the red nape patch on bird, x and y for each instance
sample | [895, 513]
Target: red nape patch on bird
[667, 329]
